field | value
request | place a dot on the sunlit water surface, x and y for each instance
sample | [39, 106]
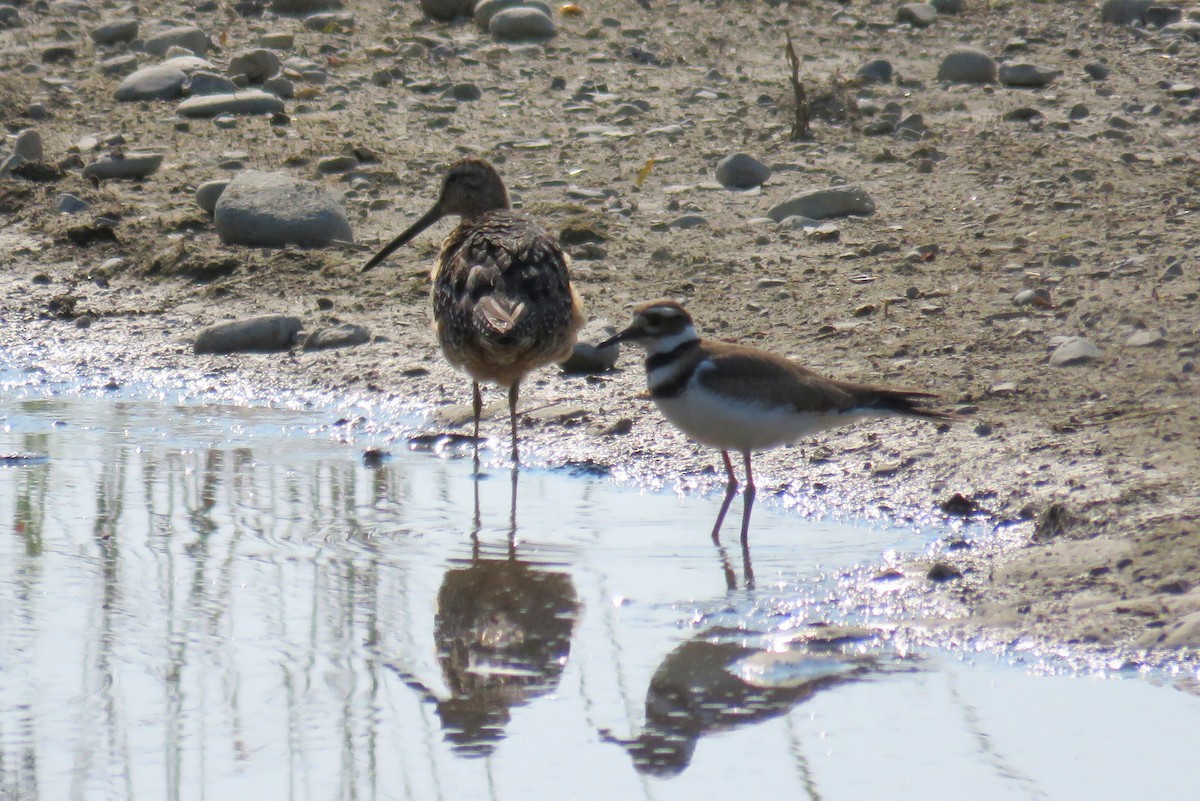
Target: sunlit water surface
[226, 602]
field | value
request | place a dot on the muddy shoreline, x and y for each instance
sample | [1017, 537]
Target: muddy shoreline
[1090, 469]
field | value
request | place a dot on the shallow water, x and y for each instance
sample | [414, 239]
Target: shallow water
[226, 602]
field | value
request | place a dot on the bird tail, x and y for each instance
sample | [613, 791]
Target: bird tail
[904, 401]
[498, 316]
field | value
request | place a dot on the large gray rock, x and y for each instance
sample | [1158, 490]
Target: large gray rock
[340, 21]
[271, 209]
[203, 82]
[118, 65]
[159, 82]
[486, 9]
[303, 6]
[521, 23]
[256, 335]
[1025, 74]
[1124, 12]
[877, 70]
[115, 31]
[189, 64]
[967, 65]
[1074, 350]
[28, 145]
[822, 204]
[188, 37]
[256, 64]
[344, 335]
[128, 166]
[252, 101]
[741, 171]
[918, 15]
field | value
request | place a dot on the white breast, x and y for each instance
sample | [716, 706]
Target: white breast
[730, 423]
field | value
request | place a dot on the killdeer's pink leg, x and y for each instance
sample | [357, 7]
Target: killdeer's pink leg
[730, 491]
[747, 506]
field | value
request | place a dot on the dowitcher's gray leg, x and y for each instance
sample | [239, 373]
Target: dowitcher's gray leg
[477, 406]
[513, 392]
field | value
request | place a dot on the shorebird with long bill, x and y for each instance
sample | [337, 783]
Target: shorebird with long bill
[503, 304]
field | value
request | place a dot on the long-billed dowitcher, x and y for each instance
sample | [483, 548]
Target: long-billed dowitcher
[738, 398]
[503, 303]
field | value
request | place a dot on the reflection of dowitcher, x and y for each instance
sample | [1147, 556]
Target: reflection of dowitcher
[503, 304]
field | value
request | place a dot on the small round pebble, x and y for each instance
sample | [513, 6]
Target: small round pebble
[28, 145]
[329, 165]
[1074, 350]
[521, 23]
[115, 31]
[967, 65]
[741, 171]
[877, 70]
[445, 10]
[188, 37]
[67, 203]
[159, 82]
[130, 166]
[204, 82]
[1124, 12]
[345, 335]
[1025, 74]
[256, 64]
[918, 15]
[209, 192]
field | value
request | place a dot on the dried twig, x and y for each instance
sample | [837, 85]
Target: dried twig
[800, 129]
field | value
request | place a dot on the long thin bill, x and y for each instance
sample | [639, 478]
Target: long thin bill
[613, 340]
[430, 217]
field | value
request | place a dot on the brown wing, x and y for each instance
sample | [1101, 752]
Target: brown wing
[778, 382]
[772, 380]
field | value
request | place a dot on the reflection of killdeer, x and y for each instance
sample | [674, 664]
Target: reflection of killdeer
[503, 304]
[738, 398]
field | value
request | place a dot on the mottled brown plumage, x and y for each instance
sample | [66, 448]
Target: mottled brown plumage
[503, 303]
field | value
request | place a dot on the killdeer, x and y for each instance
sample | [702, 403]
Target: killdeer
[503, 304]
[738, 398]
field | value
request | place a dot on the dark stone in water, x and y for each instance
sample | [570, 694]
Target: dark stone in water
[587, 468]
[958, 504]
[439, 439]
[375, 457]
[943, 571]
[1052, 523]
